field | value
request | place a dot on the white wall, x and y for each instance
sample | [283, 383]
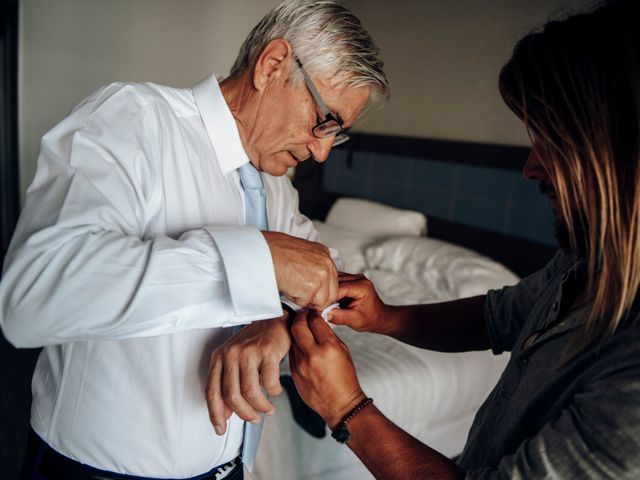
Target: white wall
[442, 59]
[69, 48]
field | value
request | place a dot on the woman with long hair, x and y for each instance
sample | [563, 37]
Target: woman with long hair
[568, 402]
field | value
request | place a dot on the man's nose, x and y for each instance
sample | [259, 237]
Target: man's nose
[320, 148]
[533, 168]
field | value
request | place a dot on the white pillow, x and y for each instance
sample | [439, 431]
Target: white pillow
[349, 244]
[375, 219]
[443, 271]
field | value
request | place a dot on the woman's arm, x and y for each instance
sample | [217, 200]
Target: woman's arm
[390, 452]
[325, 377]
[454, 326]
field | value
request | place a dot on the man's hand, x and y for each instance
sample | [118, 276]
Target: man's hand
[305, 272]
[239, 367]
[322, 368]
[361, 307]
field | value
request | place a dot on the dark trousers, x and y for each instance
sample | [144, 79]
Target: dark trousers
[41, 462]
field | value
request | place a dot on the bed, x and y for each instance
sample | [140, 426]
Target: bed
[412, 257]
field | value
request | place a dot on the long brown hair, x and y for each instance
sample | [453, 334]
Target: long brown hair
[576, 86]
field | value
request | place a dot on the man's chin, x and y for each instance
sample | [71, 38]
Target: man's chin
[280, 172]
[276, 170]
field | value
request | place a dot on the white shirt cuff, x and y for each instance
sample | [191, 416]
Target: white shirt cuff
[249, 270]
[293, 306]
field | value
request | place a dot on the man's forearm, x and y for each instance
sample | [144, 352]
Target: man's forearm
[454, 326]
[390, 453]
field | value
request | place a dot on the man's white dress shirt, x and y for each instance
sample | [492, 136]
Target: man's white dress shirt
[130, 254]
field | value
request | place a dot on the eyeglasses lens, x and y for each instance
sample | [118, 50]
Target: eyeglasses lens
[327, 129]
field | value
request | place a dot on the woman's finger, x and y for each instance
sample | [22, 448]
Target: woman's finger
[349, 277]
[319, 328]
[356, 290]
[344, 316]
[301, 333]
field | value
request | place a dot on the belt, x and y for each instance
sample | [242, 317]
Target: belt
[55, 466]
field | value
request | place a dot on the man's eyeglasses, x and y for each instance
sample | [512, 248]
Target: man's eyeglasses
[330, 126]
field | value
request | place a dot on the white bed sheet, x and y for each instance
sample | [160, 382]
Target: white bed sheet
[431, 395]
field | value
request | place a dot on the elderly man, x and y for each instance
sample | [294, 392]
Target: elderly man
[145, 237]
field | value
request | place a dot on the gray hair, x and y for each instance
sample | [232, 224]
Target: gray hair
[326, 37]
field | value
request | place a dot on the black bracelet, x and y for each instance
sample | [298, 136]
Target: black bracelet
[341, 433]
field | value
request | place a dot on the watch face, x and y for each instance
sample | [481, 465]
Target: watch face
[341, 433]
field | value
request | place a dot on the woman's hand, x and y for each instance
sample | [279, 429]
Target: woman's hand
[360, 306]
[322, 368]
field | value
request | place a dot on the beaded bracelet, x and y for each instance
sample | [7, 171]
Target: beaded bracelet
[341, 433]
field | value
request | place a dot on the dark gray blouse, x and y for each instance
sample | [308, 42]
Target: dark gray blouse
[549, 416]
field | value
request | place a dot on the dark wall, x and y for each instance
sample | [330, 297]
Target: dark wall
[16, 366]
[9, 183]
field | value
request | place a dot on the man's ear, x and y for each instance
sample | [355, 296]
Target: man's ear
[273, 63]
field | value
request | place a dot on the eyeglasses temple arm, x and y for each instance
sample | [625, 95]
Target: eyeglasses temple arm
[312, 88]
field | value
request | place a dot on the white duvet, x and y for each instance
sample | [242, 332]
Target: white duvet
[432, 395]
[422, 270]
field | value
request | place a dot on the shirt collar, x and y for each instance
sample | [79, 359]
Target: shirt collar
[581, 266]
[220, 124]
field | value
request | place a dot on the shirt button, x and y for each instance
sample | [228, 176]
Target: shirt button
[564, 276]
[554, 307]
[523, 361]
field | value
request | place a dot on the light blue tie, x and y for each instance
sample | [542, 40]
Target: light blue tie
[255, 201]
[255, 208]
